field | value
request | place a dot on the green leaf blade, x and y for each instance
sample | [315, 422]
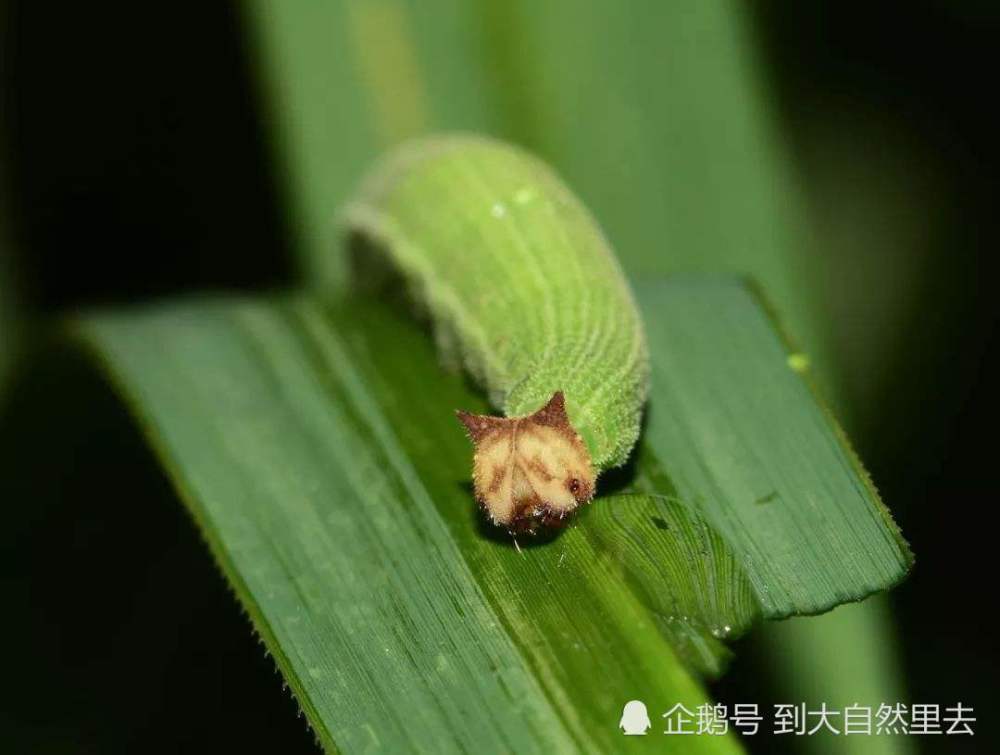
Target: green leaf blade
[377, 614]
[746, 442]
[352, 650]
[318, 450]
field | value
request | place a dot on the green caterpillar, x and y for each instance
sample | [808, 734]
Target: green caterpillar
[525, 292]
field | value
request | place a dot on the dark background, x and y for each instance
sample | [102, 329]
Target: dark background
[137, 166]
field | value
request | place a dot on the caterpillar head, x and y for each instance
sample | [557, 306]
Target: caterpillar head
[531, 471]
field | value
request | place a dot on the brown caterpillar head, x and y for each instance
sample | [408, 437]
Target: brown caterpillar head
[531, 471]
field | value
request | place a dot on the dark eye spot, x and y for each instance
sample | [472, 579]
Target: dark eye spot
[573, 485]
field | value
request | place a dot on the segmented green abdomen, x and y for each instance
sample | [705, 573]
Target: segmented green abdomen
[518, 279]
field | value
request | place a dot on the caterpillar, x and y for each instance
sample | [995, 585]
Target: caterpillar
[524, 292]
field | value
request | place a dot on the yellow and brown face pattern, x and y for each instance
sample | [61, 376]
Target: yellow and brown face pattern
[530, 471]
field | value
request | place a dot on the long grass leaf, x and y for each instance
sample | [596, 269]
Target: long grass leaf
[317, 449]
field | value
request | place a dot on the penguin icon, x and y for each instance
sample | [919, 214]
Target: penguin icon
[635, 719]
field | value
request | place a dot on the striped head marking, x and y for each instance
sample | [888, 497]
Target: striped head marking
[531, 471]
